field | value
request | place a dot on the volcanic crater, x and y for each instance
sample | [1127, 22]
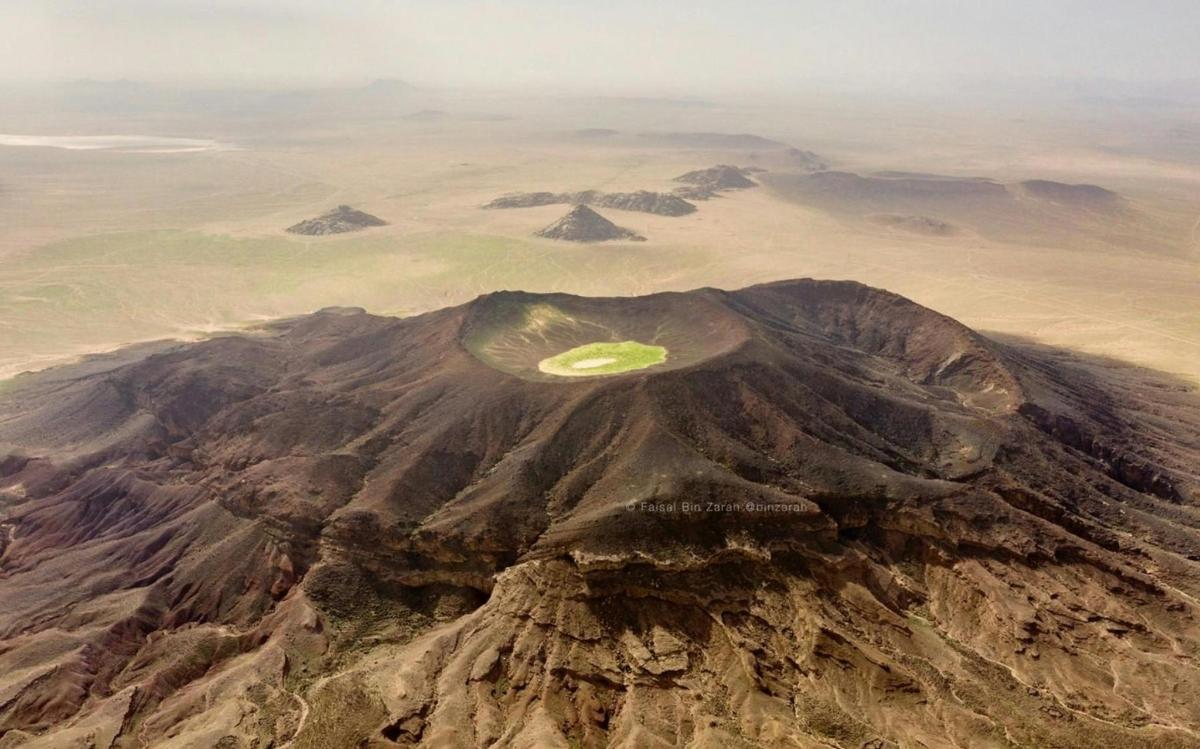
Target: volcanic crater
[353, 530]
[515, 332]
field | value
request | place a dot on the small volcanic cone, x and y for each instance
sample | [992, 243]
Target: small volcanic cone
[338, 221]
[582, 224]
[716, 178]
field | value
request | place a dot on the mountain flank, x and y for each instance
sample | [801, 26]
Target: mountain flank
[827, 517]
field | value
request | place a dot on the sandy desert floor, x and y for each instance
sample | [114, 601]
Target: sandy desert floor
[101, 248]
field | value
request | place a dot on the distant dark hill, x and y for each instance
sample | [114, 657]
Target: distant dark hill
[720, 177]
[337, 221]
[1036, 211]
[831, 517]
[916, 224]
[582, 224]
[742, 147]
[707, 183]
[1084, 196]
[661, 204]
[896, 187]
[794, 158]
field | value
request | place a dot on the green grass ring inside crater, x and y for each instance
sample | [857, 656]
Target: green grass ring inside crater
[603, 359]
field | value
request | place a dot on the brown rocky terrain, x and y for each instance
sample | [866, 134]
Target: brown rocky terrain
[644, 201]
[582, 224]
[337, 221]
[832, 518]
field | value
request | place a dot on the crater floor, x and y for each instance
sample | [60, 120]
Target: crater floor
[602, 358]
[548, 337]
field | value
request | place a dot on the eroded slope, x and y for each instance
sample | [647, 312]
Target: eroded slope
[354, 530]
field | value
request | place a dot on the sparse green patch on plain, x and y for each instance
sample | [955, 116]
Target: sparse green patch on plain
[99, 292]
[603, 359]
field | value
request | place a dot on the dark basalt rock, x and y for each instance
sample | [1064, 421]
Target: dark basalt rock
[582, 224]
[718, 178]
[338, 221]
[644, 201]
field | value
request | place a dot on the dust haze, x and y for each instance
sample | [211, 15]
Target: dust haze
[900, 159]
[670, 47]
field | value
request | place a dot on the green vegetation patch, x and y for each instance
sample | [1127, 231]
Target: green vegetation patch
[94, 293]
[603, 359]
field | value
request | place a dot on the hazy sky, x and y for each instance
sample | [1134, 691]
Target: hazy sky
[686, 46]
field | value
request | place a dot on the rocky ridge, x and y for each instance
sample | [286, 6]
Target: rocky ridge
[364, 531]
[644, 201]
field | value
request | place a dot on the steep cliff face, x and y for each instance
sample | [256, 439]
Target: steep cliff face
[830, 518]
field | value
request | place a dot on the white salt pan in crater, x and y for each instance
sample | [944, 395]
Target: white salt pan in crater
[593, 363]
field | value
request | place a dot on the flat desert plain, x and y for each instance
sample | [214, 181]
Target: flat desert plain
[1080, 230]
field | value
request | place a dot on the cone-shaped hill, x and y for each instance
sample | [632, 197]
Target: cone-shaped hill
[337, 221]
[799, 514]
[582, 224]
[719, 177]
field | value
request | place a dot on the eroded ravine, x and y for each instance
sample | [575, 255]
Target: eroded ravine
[829, 518]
